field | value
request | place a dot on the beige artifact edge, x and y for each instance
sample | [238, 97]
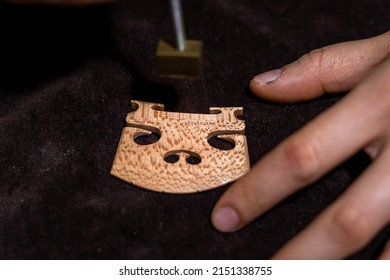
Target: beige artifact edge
[182, 160]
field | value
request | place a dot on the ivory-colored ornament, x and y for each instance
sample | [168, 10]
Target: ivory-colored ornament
[178, 157]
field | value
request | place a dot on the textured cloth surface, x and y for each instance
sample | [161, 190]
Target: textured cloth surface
[66, 80]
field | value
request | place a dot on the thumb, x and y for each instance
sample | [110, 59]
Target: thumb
[331, 69]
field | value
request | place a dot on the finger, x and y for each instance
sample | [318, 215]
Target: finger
[351, 222]
[331, 69]
[324, 143]
[386, 252]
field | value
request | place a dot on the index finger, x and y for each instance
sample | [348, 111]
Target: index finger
[332, 137]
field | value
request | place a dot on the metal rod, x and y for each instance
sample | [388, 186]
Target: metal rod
[178, 24]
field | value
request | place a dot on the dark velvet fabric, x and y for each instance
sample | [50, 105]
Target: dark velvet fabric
[66, 79]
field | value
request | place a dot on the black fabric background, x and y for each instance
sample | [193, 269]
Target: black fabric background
[66, 80]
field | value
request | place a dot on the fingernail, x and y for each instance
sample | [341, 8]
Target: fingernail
[268, 77]
[225, 219]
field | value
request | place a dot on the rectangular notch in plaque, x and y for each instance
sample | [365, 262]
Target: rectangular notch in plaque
[174, 63]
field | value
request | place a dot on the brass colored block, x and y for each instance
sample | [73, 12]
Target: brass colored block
[173, 63]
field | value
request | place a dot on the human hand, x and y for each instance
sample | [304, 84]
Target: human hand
[359, 121]
[61, 2]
